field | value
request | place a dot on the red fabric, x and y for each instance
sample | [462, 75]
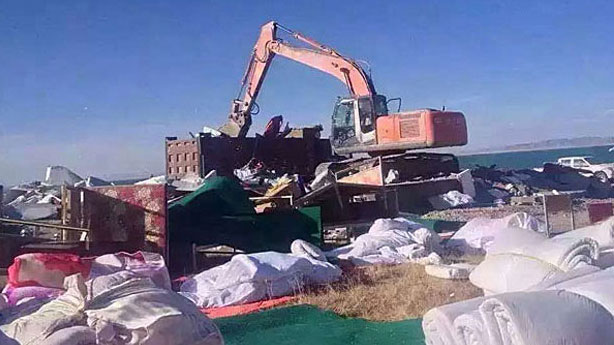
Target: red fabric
[13, 273]
[67, 264]
[214, 313]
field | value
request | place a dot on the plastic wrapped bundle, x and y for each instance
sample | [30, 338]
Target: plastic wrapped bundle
[521, 259]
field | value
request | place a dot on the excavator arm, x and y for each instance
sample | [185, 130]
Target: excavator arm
[318, 56]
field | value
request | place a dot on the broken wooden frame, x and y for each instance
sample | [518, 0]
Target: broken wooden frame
[46, 225]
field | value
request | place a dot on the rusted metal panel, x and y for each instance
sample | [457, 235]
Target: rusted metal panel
[284, 155]
[407, 167]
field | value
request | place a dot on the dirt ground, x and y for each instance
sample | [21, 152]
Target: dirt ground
[389, 293]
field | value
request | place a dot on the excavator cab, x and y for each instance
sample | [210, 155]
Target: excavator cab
[354, 120]
[363, 124]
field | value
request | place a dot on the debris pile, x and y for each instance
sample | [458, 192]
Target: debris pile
[42, 199]
[494, 184]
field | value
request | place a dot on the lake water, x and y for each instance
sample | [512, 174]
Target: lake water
[533, 159]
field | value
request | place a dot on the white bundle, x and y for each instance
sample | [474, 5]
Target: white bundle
[602, 232]
[438, 323]
[553, 317]
[564, 253]
[541, 317]
[598, 286]
[478, 234]
[392, 241]
[520, 259]
[254, 277]
[65, 311]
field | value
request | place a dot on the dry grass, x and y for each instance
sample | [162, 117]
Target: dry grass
[387, 293]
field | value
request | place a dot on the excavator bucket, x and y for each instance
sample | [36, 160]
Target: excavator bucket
[238, 122]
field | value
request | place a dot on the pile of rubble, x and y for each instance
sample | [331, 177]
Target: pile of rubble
[42, 199]
[498, 185]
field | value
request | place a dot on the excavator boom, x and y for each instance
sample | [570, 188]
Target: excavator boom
[319, 56]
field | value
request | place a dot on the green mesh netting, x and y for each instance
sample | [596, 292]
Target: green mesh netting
[307, 325]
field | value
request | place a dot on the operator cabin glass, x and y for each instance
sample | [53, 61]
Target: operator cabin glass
[380, 105]
[365, 111]
[343, 133]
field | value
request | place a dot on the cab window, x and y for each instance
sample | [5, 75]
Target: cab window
[365, 110]
[342, 116]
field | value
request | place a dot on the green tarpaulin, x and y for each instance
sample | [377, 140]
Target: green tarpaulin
[220, 212]
[220, 196]
[308, 325]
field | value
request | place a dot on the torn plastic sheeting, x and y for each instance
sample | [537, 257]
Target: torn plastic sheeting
[36, 211]
[211, 131]
[92, 181]
[391, 241]
[188, 183]
[49, 199]
[450, 199]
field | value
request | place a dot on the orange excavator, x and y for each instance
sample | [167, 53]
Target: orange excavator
[360, 122]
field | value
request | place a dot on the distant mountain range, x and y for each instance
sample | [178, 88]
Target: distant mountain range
[551, 144]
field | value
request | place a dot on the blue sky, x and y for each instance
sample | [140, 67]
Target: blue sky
[97, 85]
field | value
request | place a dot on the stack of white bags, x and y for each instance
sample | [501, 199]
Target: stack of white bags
[537, 291]
[254, 277]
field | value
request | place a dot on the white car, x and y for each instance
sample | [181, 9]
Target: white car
[603, 171]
